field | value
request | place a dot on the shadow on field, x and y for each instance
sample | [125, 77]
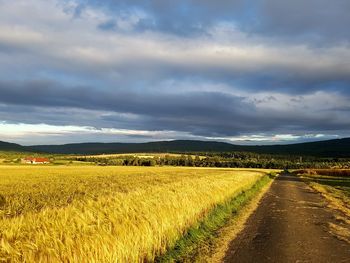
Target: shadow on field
[339, 183]
[335, 182]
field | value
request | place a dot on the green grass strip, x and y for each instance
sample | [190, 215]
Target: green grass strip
[188, 247]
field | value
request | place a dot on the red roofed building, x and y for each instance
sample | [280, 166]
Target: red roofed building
[35, 160]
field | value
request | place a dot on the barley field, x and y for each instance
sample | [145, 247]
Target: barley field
[106, 214]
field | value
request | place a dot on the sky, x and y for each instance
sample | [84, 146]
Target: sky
[245, 72]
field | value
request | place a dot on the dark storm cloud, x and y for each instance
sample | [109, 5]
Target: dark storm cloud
[202, 106]
[199, 113]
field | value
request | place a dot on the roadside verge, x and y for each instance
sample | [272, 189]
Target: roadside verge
[208, 240]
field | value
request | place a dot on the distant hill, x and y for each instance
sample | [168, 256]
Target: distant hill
[161, 146]
[330, 148]
[6, 146]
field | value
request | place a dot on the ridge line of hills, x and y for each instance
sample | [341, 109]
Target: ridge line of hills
[330, 148]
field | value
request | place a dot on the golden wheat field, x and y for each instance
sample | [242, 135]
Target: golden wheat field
[105, 214]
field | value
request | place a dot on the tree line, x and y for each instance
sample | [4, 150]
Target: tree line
[228, 160]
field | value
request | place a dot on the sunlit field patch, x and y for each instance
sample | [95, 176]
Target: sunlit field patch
[106, 214]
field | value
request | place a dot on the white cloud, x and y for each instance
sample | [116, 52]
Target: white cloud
[51, 34]
[9, 130]
[27, 133]
[274, 138]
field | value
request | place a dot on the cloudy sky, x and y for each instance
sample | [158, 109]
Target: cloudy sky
[246, 72]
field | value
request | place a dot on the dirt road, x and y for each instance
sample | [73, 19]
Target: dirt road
[290, 225]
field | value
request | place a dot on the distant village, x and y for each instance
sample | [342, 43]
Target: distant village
[35, 160]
